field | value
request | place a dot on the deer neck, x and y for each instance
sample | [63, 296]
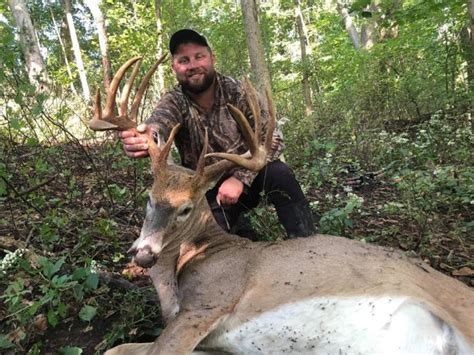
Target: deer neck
[207, 238]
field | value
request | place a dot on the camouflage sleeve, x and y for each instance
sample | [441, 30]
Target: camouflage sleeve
[167, 113]
[247, 176]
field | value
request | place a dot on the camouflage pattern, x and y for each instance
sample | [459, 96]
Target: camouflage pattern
[224, 133]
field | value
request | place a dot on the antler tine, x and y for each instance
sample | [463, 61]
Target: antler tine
[107, 120]
[271, 121]
[254, 106]
[143, 86]
[166, 149]
[202, 158]
[110, 103]
[158, 155]
[127, 88]
[249, 136]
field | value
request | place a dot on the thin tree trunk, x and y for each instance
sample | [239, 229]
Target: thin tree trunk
[368, 35]
[77, 51]
[304, 46]
[35, 66]
[469, 47]
[94, 7]
[63, 49]
[160, 73]
[348, 25]
[261, 75]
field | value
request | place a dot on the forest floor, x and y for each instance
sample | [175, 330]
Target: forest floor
[125, 299]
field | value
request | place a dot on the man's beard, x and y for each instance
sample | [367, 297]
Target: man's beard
[199, 88]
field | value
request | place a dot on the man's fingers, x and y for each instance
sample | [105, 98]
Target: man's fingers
[135, 147]
[126, 134]
[221, 199]
[134, 140]
[137, 154]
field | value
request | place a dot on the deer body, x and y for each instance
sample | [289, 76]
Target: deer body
[223, 294]
[322, 294]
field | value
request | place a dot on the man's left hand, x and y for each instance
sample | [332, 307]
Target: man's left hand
[230, 191]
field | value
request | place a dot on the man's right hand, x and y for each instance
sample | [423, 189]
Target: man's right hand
[135, 142]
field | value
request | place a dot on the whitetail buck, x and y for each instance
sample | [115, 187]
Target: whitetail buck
[220, 293]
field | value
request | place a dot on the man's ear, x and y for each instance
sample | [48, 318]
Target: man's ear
[172, 65]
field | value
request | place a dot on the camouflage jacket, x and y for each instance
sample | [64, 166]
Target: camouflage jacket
[224, 133]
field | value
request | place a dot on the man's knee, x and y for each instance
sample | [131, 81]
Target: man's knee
[278, 173]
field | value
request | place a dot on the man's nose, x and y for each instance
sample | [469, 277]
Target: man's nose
[193, 63]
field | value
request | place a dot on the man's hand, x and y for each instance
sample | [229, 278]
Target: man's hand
[230, 191]
[134, 144]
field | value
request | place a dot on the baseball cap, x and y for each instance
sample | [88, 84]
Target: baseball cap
[186, 36]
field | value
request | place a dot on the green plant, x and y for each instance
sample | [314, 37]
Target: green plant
[137, 316]
[43, 287]
[338, 219]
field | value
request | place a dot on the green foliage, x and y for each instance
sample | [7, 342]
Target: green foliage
[42, 287]
[264, 223]
[70, 350]
[135, 317]
[338, 220]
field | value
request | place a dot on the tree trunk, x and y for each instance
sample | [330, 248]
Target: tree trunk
[304, 46]
[63, 49]
[349, 26]
[261, 75]
[94, 7]
[368, 35]
[160, 73]
[77, 51]
[469, 44]
[35, 66]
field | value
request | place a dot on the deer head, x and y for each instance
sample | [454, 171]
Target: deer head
[177, 212]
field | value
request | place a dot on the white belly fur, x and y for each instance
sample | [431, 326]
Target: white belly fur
[362, 325]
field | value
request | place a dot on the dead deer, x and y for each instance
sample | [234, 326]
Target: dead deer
[220, 293]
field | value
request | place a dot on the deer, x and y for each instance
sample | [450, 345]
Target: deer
[220, 293]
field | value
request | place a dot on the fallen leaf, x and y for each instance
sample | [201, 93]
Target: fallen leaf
[40, 323]
[464, 271]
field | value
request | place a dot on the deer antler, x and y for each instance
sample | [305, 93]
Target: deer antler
[256, 158]
[106, 119]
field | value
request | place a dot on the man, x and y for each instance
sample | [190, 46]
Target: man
[199, 102]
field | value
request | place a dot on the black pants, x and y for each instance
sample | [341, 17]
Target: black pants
[277, 181]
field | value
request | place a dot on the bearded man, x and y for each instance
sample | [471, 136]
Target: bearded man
[199, 102]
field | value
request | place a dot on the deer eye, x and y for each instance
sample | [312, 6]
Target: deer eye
[184, 211]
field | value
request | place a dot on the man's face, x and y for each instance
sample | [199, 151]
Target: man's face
[193, 65]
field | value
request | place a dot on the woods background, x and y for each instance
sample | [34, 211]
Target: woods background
[375, 99]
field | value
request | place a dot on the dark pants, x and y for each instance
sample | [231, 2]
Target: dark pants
[277, 181]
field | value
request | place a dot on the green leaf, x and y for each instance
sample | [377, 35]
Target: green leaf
[70, 350]
[87, 313]
[52, 318]
[78, 292]
[15, 124]
[49, 269]
[79, 273]
[92, 281]
[5, 343]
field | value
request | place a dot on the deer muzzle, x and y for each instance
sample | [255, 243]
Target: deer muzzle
[144, 257]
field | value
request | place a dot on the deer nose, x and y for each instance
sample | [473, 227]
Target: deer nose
[144, 257]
